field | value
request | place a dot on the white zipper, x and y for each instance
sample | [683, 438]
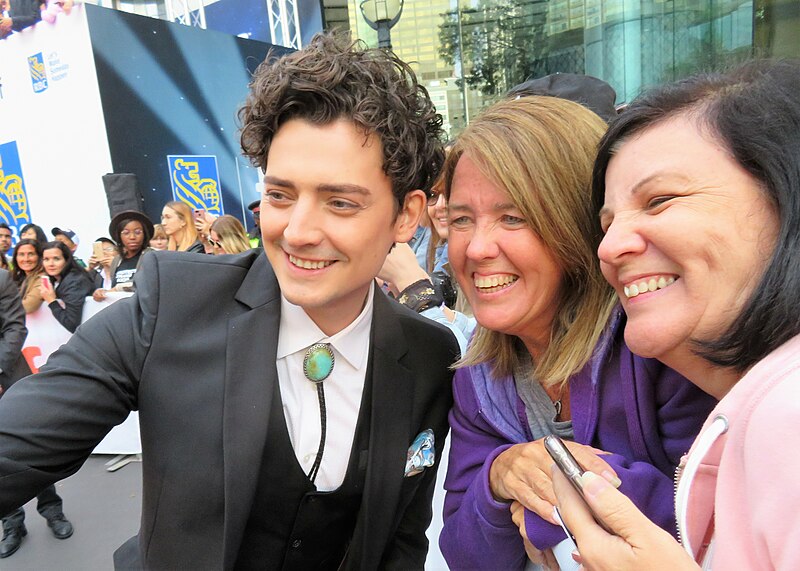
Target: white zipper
[685, 474]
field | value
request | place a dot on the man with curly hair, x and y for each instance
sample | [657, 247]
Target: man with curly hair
[290, 413]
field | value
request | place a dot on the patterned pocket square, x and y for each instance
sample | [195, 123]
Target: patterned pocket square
[421, 454]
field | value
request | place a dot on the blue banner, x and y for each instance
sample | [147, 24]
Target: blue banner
[195, 181]
[14, 209]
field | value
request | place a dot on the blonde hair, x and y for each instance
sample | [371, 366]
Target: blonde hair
[231, 234]
[541, 151]
[188, 233]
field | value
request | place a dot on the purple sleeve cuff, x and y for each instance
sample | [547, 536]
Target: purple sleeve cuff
[494, 512]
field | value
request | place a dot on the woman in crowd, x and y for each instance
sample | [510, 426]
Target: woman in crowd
[28, 272]
[33, 232]
[67, 287]
[132, 230]
[548, 356]
[100, 268]
[159, 240]
[227, 236]
[176, 218]
[698, 183]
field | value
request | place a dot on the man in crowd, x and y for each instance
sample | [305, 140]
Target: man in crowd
[70, 239]
[5, 239]
[291, 414]
[254, 234]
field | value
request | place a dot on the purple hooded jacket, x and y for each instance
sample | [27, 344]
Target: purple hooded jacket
[644, 413]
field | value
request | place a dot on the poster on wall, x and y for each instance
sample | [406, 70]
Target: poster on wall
[14, 209]
[195, 181]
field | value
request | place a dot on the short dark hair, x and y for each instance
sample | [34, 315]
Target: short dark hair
[754, 111]
[41, 237]
[6, 226]
[333, 78]
[69, 258]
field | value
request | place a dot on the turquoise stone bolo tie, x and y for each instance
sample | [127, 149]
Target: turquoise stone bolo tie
[318, 362]
[317, 366]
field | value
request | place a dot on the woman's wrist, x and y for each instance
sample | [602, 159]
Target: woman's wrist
[420, 295]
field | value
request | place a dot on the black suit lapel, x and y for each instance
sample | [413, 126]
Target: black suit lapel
[249, 380]
[392, 404]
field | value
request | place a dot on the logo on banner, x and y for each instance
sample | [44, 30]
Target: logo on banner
[57, 68]
[195, 181]
[13, 197]
[38, 73]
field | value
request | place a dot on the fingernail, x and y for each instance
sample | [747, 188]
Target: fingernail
[608, 475]
[593, 484]
[576, 557]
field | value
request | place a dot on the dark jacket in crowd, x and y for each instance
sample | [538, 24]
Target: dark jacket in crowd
[72, 290]
[24, 13]
[12, 333]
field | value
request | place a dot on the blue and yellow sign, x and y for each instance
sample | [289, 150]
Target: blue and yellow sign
[13, 197]
[195, 181]
[38, 72]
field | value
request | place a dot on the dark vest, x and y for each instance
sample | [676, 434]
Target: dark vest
[291, 525]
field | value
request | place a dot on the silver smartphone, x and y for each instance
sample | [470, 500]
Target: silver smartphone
[570, 468]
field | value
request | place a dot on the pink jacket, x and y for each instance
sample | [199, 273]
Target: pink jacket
[744, 471]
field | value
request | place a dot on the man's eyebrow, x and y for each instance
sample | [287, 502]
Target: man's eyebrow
[344, 188]
[278, 181]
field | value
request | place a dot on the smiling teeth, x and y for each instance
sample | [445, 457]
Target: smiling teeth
[495, 283]
[644, 286]
[308, 264]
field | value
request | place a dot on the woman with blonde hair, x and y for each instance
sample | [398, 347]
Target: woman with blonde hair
[227, 236]
[176, 219]
[548, 355]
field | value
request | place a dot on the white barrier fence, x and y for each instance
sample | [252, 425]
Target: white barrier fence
[45, 335]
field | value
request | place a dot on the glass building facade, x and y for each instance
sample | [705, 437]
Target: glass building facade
[470, 52]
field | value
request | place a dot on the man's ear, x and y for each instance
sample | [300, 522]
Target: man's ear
[408, 217]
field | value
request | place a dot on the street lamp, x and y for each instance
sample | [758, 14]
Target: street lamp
[382, 15]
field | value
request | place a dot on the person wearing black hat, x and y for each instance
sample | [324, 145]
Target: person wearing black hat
[591, 92]
[255, 234]
[132, 231]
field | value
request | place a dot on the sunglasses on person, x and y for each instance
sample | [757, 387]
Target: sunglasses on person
[215, 244]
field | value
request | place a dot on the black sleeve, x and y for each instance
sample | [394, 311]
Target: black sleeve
[24, 13]
[50, 422]
[72, 291]
[12, 323]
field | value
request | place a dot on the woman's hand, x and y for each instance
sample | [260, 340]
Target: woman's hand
[522, 473]
[544, 558]
[401, 268]
[48, 293]
[99, 294]
[638, 543]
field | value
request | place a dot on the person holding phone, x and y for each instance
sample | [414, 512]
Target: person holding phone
[715, 157]
[65, 284]
[548, 355]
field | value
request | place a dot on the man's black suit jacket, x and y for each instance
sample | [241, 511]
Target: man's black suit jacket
[194, 351]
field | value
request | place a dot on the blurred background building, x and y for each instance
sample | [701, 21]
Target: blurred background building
[470, 52]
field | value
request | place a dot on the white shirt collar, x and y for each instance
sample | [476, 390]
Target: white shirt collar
[298, 332]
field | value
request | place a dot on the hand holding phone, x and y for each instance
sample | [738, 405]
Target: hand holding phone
[97, 251]
[571, 469]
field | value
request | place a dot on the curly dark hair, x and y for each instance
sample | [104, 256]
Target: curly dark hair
[333, 78]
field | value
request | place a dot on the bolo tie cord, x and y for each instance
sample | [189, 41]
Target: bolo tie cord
[312, 475]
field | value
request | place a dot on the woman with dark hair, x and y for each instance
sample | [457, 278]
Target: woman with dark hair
[66, 286]
[132, 231]
[547, 357]
[698, 184]
[33, 232]
[27, 273]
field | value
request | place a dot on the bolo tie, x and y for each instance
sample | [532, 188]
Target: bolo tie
[317, 366]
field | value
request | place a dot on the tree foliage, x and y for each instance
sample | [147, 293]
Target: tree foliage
[503, 42]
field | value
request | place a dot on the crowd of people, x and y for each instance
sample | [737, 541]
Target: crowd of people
[624, 282]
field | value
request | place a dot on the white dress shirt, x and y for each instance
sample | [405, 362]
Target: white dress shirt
[343, 389]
